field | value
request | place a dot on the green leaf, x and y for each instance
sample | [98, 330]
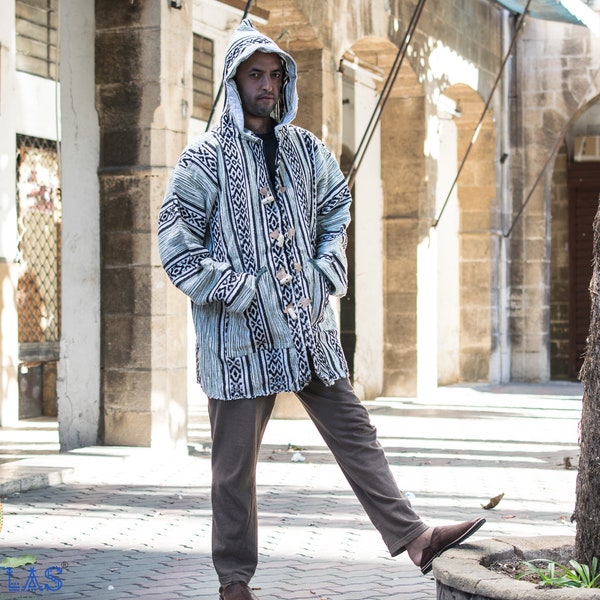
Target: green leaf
[556, 575]
[18, 561]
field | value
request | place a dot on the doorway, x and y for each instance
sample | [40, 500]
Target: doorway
[584, 191]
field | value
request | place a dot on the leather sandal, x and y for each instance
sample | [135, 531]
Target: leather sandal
[236, 591]
[446, 537]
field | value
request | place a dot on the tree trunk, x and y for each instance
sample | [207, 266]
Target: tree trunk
[587, 505]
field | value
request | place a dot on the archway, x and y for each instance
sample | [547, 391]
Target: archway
[575, 195]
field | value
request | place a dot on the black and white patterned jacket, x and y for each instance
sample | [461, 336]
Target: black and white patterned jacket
[259, 264]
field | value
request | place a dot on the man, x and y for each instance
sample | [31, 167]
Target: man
[253, 230]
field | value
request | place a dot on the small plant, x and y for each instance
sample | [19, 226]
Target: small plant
[553, 574]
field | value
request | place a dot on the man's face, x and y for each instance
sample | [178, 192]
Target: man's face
[259, 80]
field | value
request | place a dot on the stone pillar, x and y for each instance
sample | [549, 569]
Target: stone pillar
[403, 167]
[143, 95]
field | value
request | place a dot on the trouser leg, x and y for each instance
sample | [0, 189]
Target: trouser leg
[344, 423]
[237, 428]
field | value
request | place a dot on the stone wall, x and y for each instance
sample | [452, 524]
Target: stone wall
[552, 87]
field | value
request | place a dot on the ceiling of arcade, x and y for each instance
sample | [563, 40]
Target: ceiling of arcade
[379, 54]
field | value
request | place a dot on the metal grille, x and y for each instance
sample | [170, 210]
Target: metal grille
[39, 227]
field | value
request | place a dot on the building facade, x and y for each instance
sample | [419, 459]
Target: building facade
[471, 139]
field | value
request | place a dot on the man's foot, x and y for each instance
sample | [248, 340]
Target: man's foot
[236, 591]
[444, 538]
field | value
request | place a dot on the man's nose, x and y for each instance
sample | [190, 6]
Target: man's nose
[266, 83]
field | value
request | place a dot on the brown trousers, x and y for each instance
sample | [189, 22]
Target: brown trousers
[237, 429]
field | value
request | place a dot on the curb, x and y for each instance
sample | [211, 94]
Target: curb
[45, 471]
[462, 573]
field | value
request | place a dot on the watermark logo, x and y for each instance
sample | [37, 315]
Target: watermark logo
[34, 582]
[32, 578]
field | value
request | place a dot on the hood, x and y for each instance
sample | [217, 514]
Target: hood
[245, 42]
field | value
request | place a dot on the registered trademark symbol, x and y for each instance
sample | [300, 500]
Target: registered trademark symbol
[64, 564]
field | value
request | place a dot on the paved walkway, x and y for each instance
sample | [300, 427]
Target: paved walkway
[120, 523]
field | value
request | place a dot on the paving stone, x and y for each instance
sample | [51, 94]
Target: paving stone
[124, 523]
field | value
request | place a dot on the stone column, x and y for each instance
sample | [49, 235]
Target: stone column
[143, 95]
[403, 169]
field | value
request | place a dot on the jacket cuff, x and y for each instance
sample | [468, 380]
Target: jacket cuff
[336, 278]
[241, 300]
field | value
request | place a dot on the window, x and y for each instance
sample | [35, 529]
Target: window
[203, 77]
[39, 225]
[36, 24]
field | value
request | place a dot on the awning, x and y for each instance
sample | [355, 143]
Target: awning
[566, 11]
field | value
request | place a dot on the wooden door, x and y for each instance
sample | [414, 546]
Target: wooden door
[584, 194]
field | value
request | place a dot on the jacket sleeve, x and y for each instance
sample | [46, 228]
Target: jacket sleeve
[182, 233]
[332, 219]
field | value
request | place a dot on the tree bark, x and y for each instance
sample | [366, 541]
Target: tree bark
[587, 505]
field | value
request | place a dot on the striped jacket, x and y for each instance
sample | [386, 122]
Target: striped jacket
[258, 263]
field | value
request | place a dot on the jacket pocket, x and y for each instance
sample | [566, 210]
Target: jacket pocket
[262, 326]
[208, 322]
[319, 292]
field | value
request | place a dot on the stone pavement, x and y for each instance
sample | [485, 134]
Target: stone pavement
[120, 523]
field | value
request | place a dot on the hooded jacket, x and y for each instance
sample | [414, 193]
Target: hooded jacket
[258, 263]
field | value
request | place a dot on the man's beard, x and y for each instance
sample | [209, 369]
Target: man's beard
[262, 109]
